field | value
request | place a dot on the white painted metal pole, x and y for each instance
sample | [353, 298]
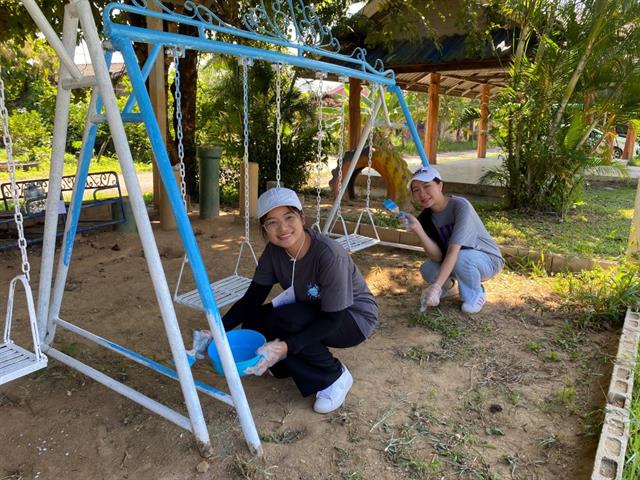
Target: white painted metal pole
[120, 388]
[138, 207]
[235, 385]
[72, 216]
[43, 24]
[352, 166]
[60, 125]
[142, 360]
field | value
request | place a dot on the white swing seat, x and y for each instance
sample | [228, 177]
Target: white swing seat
[226, 291]
[355, 242]
[16, 362]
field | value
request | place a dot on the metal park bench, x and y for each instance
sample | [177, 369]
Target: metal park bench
[102, 206]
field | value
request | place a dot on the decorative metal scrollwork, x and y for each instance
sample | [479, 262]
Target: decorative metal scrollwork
[286, 23]
[191, 10]
[309, 30]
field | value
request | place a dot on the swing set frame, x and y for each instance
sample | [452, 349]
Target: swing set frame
[315, 49]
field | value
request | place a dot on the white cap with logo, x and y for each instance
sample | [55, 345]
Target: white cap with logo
[424, 174]
[277, 197]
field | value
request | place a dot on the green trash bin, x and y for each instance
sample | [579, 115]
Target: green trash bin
[209, 164]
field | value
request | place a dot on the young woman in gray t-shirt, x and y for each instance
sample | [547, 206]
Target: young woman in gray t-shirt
[325, 303]
[456, 242]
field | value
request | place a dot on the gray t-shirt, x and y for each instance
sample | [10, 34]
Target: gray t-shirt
[325, 276]
[459, 224]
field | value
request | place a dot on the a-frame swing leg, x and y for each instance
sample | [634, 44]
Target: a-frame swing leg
[352, 166]
[197, 424]
[191, 247]
[60, 126]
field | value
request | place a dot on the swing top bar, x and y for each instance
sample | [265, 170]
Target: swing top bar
[314, 41]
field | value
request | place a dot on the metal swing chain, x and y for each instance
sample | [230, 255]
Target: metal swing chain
[278, 69]
[374, 87]
[15, 195]
[320, 76]
[341, 145]
[178, 52]
[246, 63]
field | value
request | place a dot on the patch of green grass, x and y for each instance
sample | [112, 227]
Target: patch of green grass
[597, 226]
[553, 356]
[435, 320]
[399, 452]
[70, 165]
[598, 297]
[533, 347]
[283, 436]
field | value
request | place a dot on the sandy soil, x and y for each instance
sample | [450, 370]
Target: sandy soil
[509, 393]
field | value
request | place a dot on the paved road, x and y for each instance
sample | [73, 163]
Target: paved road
[463, 167]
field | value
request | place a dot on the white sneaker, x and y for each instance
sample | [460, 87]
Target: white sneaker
[476, 305]
[333, 396]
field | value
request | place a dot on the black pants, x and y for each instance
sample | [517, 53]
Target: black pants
[314, 367]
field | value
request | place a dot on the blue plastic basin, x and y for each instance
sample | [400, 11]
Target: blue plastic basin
[244, 344]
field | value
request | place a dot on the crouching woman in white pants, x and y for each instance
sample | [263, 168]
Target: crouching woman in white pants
[456, 242]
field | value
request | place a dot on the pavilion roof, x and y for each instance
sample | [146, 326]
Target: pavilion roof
[447, 49]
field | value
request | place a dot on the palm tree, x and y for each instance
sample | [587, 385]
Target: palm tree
[572, 71]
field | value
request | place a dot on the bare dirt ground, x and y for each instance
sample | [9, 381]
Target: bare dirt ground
[508, 394]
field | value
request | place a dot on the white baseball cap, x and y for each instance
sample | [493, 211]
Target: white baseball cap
[277, 197]
[424, 174]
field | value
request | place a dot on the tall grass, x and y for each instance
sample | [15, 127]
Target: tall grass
[599, 298]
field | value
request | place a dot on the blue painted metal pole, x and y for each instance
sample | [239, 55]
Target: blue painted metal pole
[166, 174]
[191, 247]
[215, 46]
[146, 70]
[412, 127]
[214, 24]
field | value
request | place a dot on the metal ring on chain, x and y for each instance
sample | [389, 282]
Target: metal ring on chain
[15, 194]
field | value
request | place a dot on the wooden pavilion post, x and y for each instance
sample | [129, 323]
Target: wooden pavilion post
[431, 131]
[633, 247]
[355, 117]
[629, 143]
[159, 101]
[484, 122]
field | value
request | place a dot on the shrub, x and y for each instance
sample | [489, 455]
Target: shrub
[28, 131]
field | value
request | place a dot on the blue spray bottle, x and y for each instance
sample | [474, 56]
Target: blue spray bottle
[394, 209]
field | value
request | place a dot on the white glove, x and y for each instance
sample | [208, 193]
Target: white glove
[409, 222]
[201, 341]
[272, 353]
[430, 297]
